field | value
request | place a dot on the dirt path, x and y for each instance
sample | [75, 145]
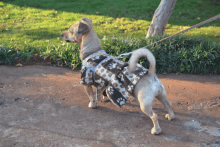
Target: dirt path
[46, 106]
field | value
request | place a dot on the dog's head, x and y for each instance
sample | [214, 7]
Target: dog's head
[77, 30]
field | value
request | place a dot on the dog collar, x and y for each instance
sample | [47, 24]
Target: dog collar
[93, 54]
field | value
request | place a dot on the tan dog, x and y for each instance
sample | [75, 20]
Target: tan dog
[148, 87]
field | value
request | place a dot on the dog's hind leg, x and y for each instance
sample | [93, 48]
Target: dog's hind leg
[99, 92]
[162, 97]
[89, 91]
[146, 106]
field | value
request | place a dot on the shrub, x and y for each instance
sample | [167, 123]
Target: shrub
[179, 54]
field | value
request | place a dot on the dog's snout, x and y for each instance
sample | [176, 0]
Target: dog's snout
[62, 34]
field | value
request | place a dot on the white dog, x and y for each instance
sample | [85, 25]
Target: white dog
[148, 87]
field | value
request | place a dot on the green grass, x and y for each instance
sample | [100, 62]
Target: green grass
[29, 26]
[39, 21]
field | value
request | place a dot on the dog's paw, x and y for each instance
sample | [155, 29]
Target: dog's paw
[156, 131]
[92, 105]
[167, 116]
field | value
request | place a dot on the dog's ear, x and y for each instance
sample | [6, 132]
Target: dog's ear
[86, 19]
[83, 28]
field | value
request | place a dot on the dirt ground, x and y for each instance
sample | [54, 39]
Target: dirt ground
[45, 106]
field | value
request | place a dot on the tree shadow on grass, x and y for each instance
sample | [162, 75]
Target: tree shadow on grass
[185, 13]
[35, 34]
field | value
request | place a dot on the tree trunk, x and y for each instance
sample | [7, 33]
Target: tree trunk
[161, 17]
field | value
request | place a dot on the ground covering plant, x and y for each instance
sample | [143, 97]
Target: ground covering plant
[33, 28]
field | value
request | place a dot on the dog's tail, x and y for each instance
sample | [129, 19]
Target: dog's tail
[137, 54]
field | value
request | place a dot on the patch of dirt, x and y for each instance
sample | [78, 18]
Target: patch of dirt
[46, 106]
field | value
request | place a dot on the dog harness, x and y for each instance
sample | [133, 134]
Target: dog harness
[101, 69]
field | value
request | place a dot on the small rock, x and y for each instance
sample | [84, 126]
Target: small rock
[17, 99]
[1, 85]
[201, 105]
[190, 108]
[19, 65]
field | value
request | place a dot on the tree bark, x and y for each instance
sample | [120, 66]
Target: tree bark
[161, 17]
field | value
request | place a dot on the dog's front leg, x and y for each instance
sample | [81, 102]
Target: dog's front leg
[89, 91]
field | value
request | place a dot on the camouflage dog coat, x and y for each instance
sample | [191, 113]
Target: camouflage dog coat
[101, 69]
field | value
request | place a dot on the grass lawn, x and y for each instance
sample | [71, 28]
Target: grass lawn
[41, 22]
